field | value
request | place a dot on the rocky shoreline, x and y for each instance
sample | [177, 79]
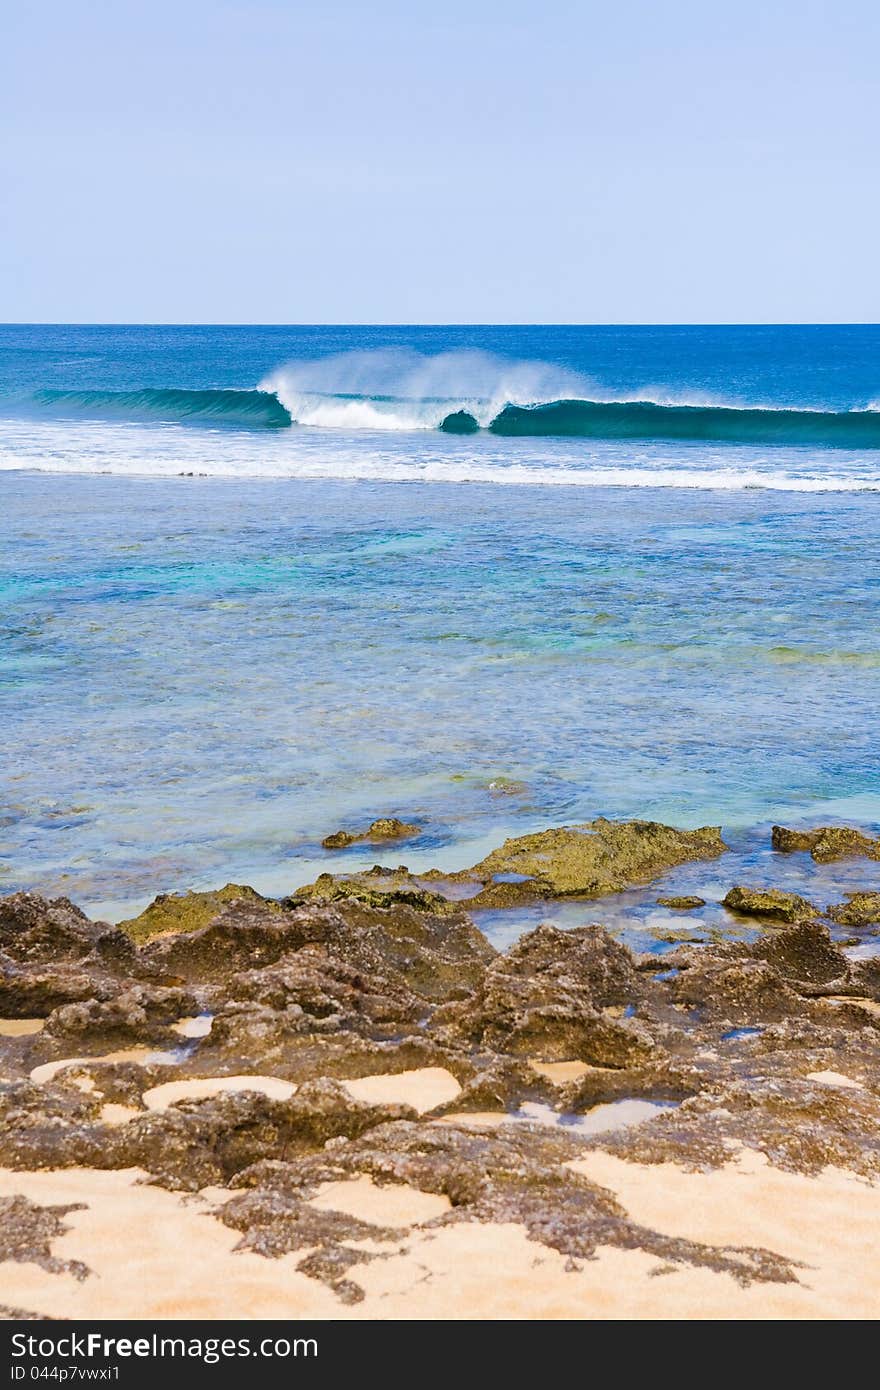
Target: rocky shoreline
[363, 1030]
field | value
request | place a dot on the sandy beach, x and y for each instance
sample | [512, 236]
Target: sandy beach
[130, 1236]
[347, 1104]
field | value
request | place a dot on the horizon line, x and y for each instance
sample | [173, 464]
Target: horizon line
[247, 323]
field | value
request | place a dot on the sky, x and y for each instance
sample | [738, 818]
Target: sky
[464, 162]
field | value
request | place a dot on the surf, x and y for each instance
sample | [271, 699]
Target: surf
[464, 393]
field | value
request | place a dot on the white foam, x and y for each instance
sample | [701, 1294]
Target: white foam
[404, 390]
[141, 450]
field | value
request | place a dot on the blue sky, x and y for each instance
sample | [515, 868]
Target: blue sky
[464, 162]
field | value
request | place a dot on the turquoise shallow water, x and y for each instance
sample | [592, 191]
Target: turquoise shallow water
[340, 611]
[203, 676]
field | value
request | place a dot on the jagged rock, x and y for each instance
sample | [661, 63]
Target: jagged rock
[324, 987]
[138, 1014]
[27, 1230]
[199, 1142]
[770, 903]
[741, 990]
[585, 959]
[513, 1174]
[275, 1222]
[865, 977]
[544, 1000]
[804, 953]
[826, 843]
[47, 1126]
[38, 931]
[599, 857]
[799, 1125]
[51, 954]
[657, 1079]
[503, 1085]
[319, 993]
[437, 956]
[386, 828]
[36, 993]
[860, 910]
[377, 887]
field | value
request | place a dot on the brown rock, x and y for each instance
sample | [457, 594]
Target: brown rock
[544, 1000]
[804, 953]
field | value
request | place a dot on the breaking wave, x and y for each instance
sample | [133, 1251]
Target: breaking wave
[464, 393]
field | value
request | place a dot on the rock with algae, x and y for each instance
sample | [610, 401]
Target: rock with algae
[377, 887]
[859, 910]
[602, 856]
[170, 913]
[386, 828]
[826, 843]
[436, 955]
[769, 903]
[319, 993]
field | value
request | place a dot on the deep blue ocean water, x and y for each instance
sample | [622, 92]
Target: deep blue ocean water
[359, 614]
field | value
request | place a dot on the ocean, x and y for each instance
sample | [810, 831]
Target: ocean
[257, 583]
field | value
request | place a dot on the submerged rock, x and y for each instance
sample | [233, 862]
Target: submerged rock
[687, 902]
[770, 903]
[599, 857]
[386, 828]
[826, 843]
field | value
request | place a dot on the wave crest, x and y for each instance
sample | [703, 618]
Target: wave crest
[645, 420]
[242, 409]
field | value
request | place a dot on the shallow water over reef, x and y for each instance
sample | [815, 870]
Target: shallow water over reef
[202, 677]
